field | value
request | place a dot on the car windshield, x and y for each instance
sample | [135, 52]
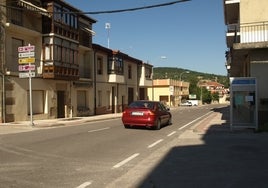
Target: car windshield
[142, 104]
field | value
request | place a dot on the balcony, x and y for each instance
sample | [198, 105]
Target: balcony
[62, 73]
[146, 82]
[116, 78]
[231, 11]
[250, 35]
[232, 35]
[146, 76]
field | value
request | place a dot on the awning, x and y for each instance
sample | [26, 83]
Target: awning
[32, 7]
[89, 31]
[85, 84]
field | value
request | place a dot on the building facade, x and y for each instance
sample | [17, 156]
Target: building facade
[170, 92]
[120, 79]
[247, 42]
[50, 41]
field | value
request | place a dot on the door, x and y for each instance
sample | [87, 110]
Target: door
[130, 95]
[60, 104]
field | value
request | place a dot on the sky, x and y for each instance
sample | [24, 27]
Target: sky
[188, 35]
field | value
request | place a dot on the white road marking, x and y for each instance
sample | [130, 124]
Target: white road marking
[155, 143]
[84, 185]
[171, 133]
[99, 129]
[126, 160]
[194, 121]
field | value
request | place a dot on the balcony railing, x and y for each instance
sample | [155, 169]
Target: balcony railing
[254, 32]
[248, 33]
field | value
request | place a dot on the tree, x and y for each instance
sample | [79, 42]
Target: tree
[206, 96]
[215, 96]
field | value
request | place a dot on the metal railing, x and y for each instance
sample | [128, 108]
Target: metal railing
[249, 32]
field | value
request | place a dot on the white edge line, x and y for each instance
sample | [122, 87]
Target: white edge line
[99, 129]
[194, 121]
[84, 184]
[153, 144]
[171, 133]
[126, 160]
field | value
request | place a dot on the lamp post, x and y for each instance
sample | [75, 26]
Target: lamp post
[201, 91]
[108, 27]
[180, 95]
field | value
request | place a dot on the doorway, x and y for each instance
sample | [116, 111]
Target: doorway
[60, 104]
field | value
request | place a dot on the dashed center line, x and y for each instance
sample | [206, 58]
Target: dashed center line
[84, 185]
[155, 143]
[194, 120]
[171, 133]
[126, 160]
[99, 129]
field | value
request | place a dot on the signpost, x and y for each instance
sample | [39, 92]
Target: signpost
[26, 74]
[26, 58]
[26, 67]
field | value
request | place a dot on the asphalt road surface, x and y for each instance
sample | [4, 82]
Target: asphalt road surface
[89, 155]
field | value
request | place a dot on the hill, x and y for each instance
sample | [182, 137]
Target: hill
[193, 76]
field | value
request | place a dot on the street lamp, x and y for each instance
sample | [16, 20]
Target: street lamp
[187, 72]
[201, 93]
[108, 27]
[180, 95]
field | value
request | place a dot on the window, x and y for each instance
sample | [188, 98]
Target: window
[116, 65]
[47, 53]
[63, 15]
[63, 55]
[37, 102]
[148, 72]
[14, 15]
[81, 99]
[129, 72]
[99, 65]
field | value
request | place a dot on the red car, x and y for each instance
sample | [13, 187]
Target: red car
[152, 114]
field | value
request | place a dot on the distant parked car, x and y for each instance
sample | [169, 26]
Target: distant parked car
[151, 114]
[186, 103]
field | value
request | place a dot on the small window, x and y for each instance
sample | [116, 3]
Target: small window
[99, 65]
[129, 72]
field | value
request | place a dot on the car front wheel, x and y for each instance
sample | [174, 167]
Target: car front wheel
[169, 121]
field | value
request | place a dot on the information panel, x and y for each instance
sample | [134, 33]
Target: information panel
[244, 105]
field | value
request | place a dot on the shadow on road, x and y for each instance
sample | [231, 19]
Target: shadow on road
[219, 158]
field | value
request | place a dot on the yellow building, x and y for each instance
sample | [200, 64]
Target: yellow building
[169, 91]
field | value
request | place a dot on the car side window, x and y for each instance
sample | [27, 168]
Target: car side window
[160, 107]
[163, 107]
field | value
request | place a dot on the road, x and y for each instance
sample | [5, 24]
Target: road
[88, 155]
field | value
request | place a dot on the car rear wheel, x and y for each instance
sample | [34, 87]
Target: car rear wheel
[158, 125]
[127, 126]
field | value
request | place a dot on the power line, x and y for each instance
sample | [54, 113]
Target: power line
[112, 11]
[137, 8]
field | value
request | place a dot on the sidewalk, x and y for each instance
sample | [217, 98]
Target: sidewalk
[24, 126]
